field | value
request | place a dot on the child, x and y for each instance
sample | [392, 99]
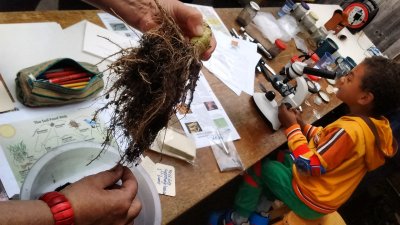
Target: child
[326, 164]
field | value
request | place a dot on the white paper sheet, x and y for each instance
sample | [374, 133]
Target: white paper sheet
[234, 64]
[206, 113]
[104, 43]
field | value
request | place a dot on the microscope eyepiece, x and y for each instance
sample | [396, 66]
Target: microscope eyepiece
[319, 72]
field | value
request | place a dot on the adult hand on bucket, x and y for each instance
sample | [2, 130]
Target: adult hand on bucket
[97, 200]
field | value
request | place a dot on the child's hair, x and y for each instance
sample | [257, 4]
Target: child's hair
[382, 79]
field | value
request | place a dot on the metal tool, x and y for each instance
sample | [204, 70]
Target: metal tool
[221, 139]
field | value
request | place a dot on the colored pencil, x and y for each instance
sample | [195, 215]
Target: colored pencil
[75, 81]
[61, 73]
[69, 77]
[75, 84]
[79, 87]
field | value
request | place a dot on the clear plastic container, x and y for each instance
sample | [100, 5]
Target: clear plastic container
[311, 62]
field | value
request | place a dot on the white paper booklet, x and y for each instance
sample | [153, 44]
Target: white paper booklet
[205, 115]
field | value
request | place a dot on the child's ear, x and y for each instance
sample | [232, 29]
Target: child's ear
[366, 98]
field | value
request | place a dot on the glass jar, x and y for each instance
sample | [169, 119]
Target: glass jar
[248, 13]
[309, 21]
[300, 11]
[320, 34]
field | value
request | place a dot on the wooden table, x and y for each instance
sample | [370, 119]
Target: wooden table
[196, 182]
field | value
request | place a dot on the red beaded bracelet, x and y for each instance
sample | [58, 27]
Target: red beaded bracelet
[60, 207]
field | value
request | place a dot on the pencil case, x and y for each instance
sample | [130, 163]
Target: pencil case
[58, 82]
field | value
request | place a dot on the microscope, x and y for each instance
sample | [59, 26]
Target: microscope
[293, 94]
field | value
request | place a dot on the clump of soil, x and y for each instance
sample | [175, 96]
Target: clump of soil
[151, 80]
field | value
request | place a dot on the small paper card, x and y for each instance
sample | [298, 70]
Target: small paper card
[165, 179]
[163, 176]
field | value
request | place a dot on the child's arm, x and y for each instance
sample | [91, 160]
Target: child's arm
[330, 150]
[304, 158]
[310, 131]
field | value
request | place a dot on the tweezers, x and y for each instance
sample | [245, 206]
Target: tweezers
[221, 139]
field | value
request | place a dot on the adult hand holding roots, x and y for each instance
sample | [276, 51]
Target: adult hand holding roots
[142, 14]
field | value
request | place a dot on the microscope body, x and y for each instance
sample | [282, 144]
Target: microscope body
[294, 96]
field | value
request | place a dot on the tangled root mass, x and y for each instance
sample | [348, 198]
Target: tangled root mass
[151, 80]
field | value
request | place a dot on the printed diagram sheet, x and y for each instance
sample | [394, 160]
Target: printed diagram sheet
[206, 114]
[212, 18]
[113, 23]
[118, 26]
[24, 142]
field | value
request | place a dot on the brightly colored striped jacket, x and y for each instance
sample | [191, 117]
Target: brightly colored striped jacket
[345, 151]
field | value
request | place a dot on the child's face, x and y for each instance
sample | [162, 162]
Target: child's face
[350, 85]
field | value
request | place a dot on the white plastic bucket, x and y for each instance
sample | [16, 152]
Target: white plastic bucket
[69, 163]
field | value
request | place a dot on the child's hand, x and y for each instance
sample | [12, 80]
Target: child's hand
[287, 116]
[299, 118]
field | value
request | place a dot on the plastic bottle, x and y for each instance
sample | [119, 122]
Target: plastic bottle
[277, 48]
[314, 58]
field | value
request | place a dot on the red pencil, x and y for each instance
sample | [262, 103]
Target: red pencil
[75, 81]
[69, 77]
[48, 75]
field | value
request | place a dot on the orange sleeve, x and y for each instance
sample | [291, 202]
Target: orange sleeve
[310, 131]
[334, 148]
[295, 137]
[304, 158]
